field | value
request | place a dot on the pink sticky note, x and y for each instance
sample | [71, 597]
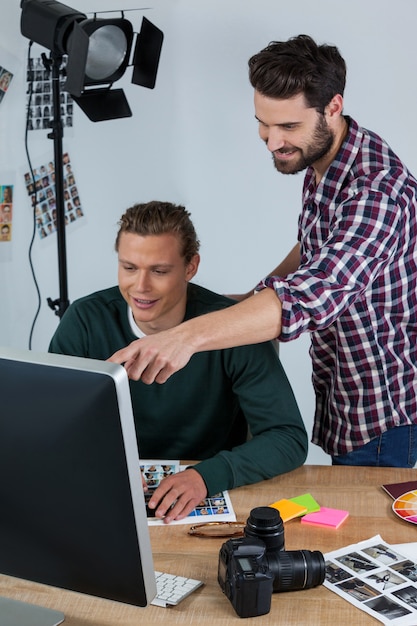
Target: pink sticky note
[329, 518]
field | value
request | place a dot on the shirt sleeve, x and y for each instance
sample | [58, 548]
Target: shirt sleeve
[278, 441]
[362, 239]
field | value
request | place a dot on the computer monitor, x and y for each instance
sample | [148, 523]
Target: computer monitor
[72, 510]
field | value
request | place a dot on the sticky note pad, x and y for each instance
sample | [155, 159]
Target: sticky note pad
[288, 509]
[308, 502]
[328, 518]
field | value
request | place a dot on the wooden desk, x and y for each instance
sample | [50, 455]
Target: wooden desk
[355, 489]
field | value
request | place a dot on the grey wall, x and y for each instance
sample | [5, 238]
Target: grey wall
[194, 140]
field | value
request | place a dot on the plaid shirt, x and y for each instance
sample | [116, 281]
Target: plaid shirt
[356, 293]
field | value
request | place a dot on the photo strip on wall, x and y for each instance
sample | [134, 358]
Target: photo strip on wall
[41, 190]
[5, 79]
[6, 212]
[40, 105]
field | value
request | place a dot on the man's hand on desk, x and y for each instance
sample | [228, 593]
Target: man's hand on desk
[183, 491]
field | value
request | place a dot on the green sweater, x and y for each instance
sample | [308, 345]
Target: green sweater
[203, 411]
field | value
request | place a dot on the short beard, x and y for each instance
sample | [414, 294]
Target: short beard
[322, 141]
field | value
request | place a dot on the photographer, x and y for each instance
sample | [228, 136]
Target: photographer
[351, 279]
[204, 412]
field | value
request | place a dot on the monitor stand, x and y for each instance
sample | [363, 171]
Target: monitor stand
[15, 613]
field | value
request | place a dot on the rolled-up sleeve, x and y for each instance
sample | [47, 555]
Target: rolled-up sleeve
[361, 240]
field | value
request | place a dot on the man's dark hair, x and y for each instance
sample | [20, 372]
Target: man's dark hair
[159, 218]
[285, 69]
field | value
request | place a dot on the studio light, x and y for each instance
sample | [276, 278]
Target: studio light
[98, 52]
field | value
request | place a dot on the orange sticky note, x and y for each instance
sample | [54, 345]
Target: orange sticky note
[288, 509]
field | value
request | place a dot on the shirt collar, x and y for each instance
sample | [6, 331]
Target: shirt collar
[336, 173]
[133, 326]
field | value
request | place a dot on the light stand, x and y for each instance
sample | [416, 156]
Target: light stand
[60, 305]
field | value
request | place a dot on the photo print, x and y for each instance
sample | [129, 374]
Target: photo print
[215, 508]
[41, 190]
[214, 505]
[5, 79]
[6, 212]
[40, 105]
[376, 578]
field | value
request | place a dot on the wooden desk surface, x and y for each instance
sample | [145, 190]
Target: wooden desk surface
[355, 489]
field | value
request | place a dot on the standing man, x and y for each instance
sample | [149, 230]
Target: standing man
[207, 410]
[351, 279]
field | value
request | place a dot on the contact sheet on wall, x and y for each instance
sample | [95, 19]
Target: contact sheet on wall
[40, 186]
[40, 101]
[377, 579]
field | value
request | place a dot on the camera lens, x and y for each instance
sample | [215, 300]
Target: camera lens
[297, 569]
[294, 569]
[265, 523]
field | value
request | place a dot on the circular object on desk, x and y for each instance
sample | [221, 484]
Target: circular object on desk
[406, 507]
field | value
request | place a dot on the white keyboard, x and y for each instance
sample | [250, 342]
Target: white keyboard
[172, 589]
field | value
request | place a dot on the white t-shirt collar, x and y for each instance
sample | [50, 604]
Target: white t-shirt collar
[134, 327]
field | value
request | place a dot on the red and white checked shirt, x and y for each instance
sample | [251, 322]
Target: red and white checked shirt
[356, 292]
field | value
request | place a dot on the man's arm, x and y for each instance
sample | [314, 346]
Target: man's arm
[278, 441]
[156, 357]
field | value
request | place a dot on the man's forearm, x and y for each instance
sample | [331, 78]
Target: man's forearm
[253, 320]
[156, 357]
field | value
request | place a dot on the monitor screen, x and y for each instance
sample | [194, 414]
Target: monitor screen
[72, 510]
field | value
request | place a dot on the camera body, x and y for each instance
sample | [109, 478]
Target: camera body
[244, 576]
[252, 567]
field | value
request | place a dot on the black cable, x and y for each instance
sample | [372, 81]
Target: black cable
[35, 203]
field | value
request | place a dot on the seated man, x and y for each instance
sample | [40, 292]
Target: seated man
[204, 412]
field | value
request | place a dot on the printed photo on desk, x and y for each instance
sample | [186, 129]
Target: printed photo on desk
[217, 508]
[377, 579]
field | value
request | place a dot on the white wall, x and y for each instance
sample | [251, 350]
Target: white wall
[194, 140]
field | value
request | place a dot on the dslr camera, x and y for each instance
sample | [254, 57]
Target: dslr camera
[254, 566]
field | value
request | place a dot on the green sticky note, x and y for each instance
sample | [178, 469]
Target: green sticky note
[307, 501]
